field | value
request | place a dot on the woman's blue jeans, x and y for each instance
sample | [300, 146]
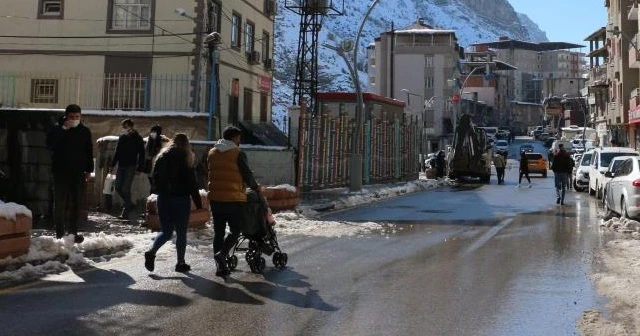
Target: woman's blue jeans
[173, 212]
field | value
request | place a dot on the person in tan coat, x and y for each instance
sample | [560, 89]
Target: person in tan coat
[500, 163]
[228, 177]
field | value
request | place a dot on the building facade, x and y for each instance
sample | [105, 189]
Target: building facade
[414, 64]
[140, 55]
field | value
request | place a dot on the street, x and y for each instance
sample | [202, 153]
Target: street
[460, 260]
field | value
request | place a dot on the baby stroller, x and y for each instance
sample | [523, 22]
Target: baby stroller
[258, 237]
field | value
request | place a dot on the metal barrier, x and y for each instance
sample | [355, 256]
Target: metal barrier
[128, 92]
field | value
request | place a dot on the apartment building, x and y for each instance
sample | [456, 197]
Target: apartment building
[622, 117]
[414, 64]
[142, 55]
[598, 83]
[540, 65]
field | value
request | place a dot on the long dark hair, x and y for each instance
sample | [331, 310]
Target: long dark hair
[181, 142]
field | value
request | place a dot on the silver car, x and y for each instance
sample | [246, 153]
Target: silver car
[623, 190]
[581, 172]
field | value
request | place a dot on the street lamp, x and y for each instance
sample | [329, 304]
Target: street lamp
[460, 92]
[409, 94]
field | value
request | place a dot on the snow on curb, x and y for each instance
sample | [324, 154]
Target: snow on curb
[623, 225]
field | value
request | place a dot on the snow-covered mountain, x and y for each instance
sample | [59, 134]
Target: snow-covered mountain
[474, 21]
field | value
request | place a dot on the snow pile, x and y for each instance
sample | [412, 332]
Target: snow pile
[11, 210]
[50, 255]
[618, 282]
[287, 187]
[289, 223]
[624, 225]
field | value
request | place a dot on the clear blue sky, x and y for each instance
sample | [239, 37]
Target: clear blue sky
[565, 20]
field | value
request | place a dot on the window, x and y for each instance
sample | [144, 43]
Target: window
[133, 16]
[249, 37]
[264, 106]
[266, 47]
[44, 91]
[125, 91]
[248, 105]
[213, 17]
[236, 22]
[428, 61]
[428, 82]
[50, 9]
[233, 110]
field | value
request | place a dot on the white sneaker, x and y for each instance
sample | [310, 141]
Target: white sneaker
[518, 186]
[530, 184]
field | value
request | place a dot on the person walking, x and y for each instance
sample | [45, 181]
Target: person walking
[154, 144]
[524, 168]
[72, 162]
[228, 177]
[562, 165]
[129, 157]
[174, 180]
[500, 164]
[440, 164]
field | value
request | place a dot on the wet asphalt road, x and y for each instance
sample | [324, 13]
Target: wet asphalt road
[489, 260]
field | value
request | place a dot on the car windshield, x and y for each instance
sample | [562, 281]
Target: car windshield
[534, 156]
[502, 143]
[615, 165]
[605, 158]
[586, 159]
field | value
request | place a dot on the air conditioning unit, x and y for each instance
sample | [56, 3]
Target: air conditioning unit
[268, 63]
[272, 7]
[254, 57]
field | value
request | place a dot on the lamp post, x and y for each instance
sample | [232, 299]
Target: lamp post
[457, 109]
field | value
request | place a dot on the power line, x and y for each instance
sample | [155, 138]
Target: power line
[97, 36]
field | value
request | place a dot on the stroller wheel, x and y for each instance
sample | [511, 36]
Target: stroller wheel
[262, 264]
[232, 262]
[279, 260]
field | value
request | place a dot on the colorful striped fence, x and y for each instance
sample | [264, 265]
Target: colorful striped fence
[390, 148]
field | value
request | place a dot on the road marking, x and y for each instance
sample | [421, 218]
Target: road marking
[487, 235]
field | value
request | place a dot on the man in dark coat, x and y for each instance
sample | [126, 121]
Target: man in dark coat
[129, 157]
[72, 162]
[440, 164]
[561, 166]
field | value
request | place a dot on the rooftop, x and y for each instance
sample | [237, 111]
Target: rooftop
[526, 45]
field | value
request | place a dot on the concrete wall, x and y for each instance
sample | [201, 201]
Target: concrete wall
[27, 162]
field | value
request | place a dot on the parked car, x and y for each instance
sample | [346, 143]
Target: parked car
[615, 164]
[502, 146]
[600, 161]
[543, 136]
[581, 172]
[623, 190]
[527, 148]
[537, 163]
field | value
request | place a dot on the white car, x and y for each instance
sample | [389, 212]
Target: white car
[600, 161]
[502, 146]
[581, 172]
[623, 191]
[615, 164]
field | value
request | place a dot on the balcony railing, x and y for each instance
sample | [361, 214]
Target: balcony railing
[598, 75]
[129, 92]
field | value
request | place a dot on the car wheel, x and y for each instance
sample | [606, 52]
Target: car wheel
[608, 213]
[604, 199]
[598, 192]
[591, 191]
[623, 207]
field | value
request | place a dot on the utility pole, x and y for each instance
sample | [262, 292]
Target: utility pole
[213, 40]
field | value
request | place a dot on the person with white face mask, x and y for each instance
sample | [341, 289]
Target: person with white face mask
[129, 157]
[72, 161]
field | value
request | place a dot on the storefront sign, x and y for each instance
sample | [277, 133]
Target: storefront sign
[235, 87]
[264, 83]
[634, 115]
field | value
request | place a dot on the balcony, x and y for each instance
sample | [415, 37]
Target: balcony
[634, 56]
[598, 75]
[633, 12]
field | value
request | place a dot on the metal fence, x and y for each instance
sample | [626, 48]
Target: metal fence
[390, 148]
[129, 92]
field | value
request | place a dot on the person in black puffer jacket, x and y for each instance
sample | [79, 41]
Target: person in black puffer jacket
[72, 162]
[129, 157]
[174, 180]
[561, 166]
